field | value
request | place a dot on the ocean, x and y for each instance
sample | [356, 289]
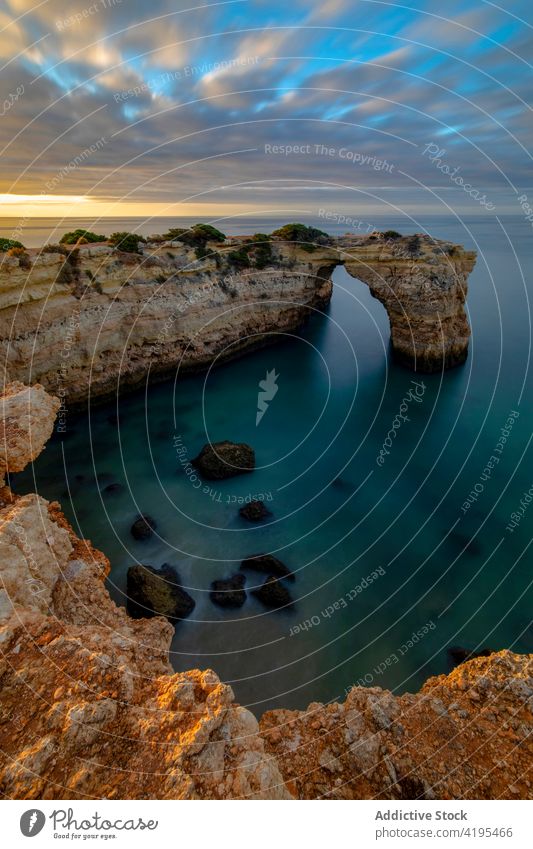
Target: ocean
[395, 562]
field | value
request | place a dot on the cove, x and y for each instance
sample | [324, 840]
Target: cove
[338, 517]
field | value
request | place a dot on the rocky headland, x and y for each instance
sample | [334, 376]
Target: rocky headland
[90, 708]
[89, 319]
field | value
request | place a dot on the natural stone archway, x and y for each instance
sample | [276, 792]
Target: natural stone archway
[115, 317]
[422, 284]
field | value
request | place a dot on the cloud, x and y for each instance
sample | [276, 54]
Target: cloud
[176, 94]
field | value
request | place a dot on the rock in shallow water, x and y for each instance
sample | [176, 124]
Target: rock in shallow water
[269, 564]
[157, 592]
[458, 654]
[143, 527]
[229, 592]
[220, 460]
[115, 487]
[255, 511]
[273, 593]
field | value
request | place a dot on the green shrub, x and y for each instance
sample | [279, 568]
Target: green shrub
[195, 237]
[239, 258]
[262, 250]
[200, 252]
[128, 242]
[307, 237]
[74, 236]
[6, 244]
[254, 253]
[391, 234]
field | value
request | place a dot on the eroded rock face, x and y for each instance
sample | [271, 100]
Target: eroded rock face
[124, 314]
[466, 735]
[27, 416]
[89, 707]
[116, 316]
[422, 283]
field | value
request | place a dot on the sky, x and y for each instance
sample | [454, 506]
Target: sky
[127, 107]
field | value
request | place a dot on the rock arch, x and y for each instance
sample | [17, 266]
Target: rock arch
[422, 283]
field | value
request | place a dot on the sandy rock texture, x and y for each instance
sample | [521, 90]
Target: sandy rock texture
[27, 417]
[466, 735]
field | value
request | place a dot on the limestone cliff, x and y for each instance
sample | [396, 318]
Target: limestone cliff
[98, 318]
[422, 284]
[89, 707]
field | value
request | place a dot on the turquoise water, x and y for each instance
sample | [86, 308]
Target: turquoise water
[456, 576]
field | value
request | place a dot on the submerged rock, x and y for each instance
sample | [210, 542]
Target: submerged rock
[255, 511]
[220, 460]
[458, 654]
[269, 564]
[229, 592]
[273, 593]
[157, 592]
[114, 487]
[143, 527]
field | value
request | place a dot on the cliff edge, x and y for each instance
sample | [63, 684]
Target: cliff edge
[93, 320]
[90, 708]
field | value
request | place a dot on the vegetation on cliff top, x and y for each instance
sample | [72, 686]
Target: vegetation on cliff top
[81, 236]
[307, 237]
[128, 242]
[195, 237]
[254, 253]
[7, 244]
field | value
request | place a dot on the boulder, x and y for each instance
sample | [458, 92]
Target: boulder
[157, 592]
[255, 511]
[273, 593]
[220, 460]
[143, 527]
[269, 564]
[229, 592]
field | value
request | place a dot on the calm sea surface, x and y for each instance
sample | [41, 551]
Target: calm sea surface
[454, 575]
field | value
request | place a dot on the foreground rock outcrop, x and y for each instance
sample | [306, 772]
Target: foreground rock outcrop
[89, 707]
[467, 735]
[98, 318]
